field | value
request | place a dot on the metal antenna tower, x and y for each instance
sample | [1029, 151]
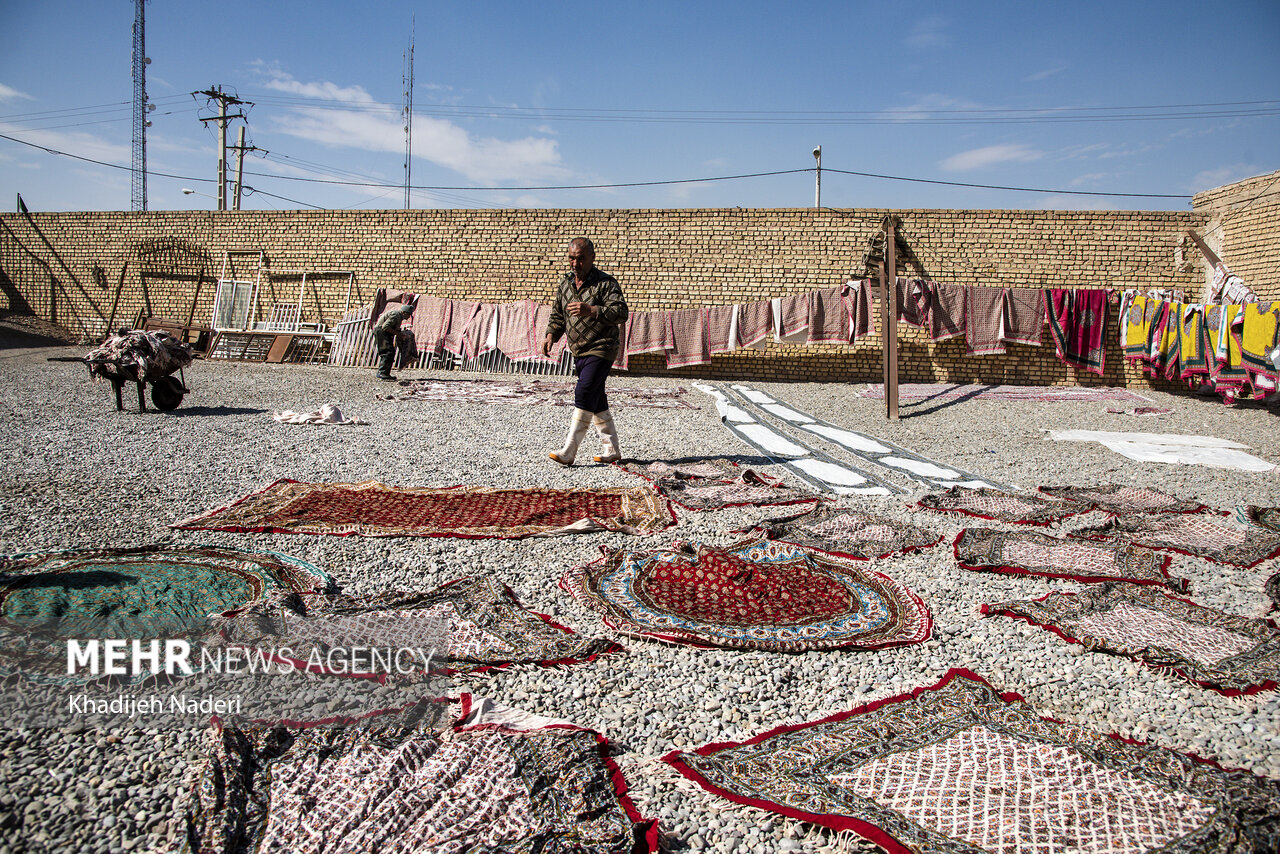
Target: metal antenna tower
[140, 109]
[407, 113]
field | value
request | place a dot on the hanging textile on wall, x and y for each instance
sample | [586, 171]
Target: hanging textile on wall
[1077, 319]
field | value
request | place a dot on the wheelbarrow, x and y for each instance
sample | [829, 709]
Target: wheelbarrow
[167, 390]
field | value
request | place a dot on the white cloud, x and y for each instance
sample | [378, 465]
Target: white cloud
[1045, 74]
[925, 106]
[928, 32]
[991, 155]
[77, 142]
[1211, 179]
[8, 93]
[379, 127]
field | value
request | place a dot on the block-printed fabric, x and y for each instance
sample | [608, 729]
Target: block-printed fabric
[792, 316]
[947, 311]
[1024, 315]
[648, 332]
[1032, 553]
[984, 321]
[828, 318]
[518, 337]
[959, 767]
[405, 782]
[688, 338]
[469, 625]
[755, 319]
[1000, 506]
[756, 594]
[1077, 319]
[714, 483]
[461, 319]
[1213, 538]
[430, 324]
[720, 322]
[1116, 499]
[153, 592]
[1228, 653]
[847, 533]
[372, 509]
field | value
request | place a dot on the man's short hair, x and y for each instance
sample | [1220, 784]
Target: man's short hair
[585, 243]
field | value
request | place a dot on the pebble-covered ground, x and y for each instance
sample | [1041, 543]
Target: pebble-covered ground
[76, 473]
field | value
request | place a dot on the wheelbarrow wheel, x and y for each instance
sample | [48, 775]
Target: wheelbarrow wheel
[166, 393]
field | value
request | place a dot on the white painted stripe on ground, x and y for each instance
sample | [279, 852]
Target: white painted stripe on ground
[771, 442]
[852, 441]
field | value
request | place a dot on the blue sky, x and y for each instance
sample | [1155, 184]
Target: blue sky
[1117, 97]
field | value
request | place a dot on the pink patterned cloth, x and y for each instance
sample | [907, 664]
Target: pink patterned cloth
[430, 324]
[861, 311]
[984, 321]
[947, 311]
[1077, 319]
[828, 319]
[911, 310]
[719, 326]
[464, 312]
[755, 319]
[1024, 315]
[792, 315]
[475, 337]
[541, 317]
[517, 334]
[688, 338]
[648, 332]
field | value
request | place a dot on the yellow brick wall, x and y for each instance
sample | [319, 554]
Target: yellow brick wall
[88, 270]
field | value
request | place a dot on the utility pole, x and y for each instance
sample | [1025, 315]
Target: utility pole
[224, 100]
[240, 148]
[140, 108]
[407, 112]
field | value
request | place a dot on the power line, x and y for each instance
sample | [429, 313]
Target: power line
[382, 185]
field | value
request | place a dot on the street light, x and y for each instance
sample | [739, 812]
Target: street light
[817, 190]
[187, 191]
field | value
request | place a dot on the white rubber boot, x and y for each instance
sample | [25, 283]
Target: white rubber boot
[608, 438]
[577, 429]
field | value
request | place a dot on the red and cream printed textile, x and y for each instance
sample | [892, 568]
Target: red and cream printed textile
[1230, 654]
[1116, 499]
[947, 310]
[1024, 315]
[984, 331]
[828, 318]
[469, 625]
[791, 316]
[1000, 506]
[1033, 553]
[846, 533]
[430, 324]
[541, 317]
[648, 332]
[722, 330]
[960, 766]
[755, 594]
[688, 338]
[1213, 538]
[518, 338]
[713, 484]
[411, 780]
[461, 320]
[372, 509]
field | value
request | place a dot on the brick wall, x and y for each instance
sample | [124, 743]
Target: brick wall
[89, 271]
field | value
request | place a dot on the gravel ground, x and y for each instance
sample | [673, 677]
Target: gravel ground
[76, 473]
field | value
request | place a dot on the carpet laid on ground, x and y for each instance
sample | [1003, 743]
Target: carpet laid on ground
[713, 484]
[1214, 538]
[847, 533]
[153, 592]
[1033, 553]
[1001, 506]
[960, 766]
[1117, 499]
[755, 594]
[373, 509]
[408, 781]
[468, 625]
[1225, 652]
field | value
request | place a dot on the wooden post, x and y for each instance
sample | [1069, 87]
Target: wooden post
[191, 315]
[1208, 253]
[889, 321]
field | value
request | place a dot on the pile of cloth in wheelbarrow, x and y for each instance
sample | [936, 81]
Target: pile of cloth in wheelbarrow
[150, 355]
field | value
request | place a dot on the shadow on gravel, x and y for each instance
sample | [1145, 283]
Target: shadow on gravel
[740, 459]
[216, 410]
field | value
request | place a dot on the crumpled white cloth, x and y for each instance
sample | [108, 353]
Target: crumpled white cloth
[327, 414]
[1170, 448]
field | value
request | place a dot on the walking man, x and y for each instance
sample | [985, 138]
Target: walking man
[588, 309]
[385, 331]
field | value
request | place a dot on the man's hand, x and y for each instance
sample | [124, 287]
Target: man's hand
[581, 309]
[546, 346]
